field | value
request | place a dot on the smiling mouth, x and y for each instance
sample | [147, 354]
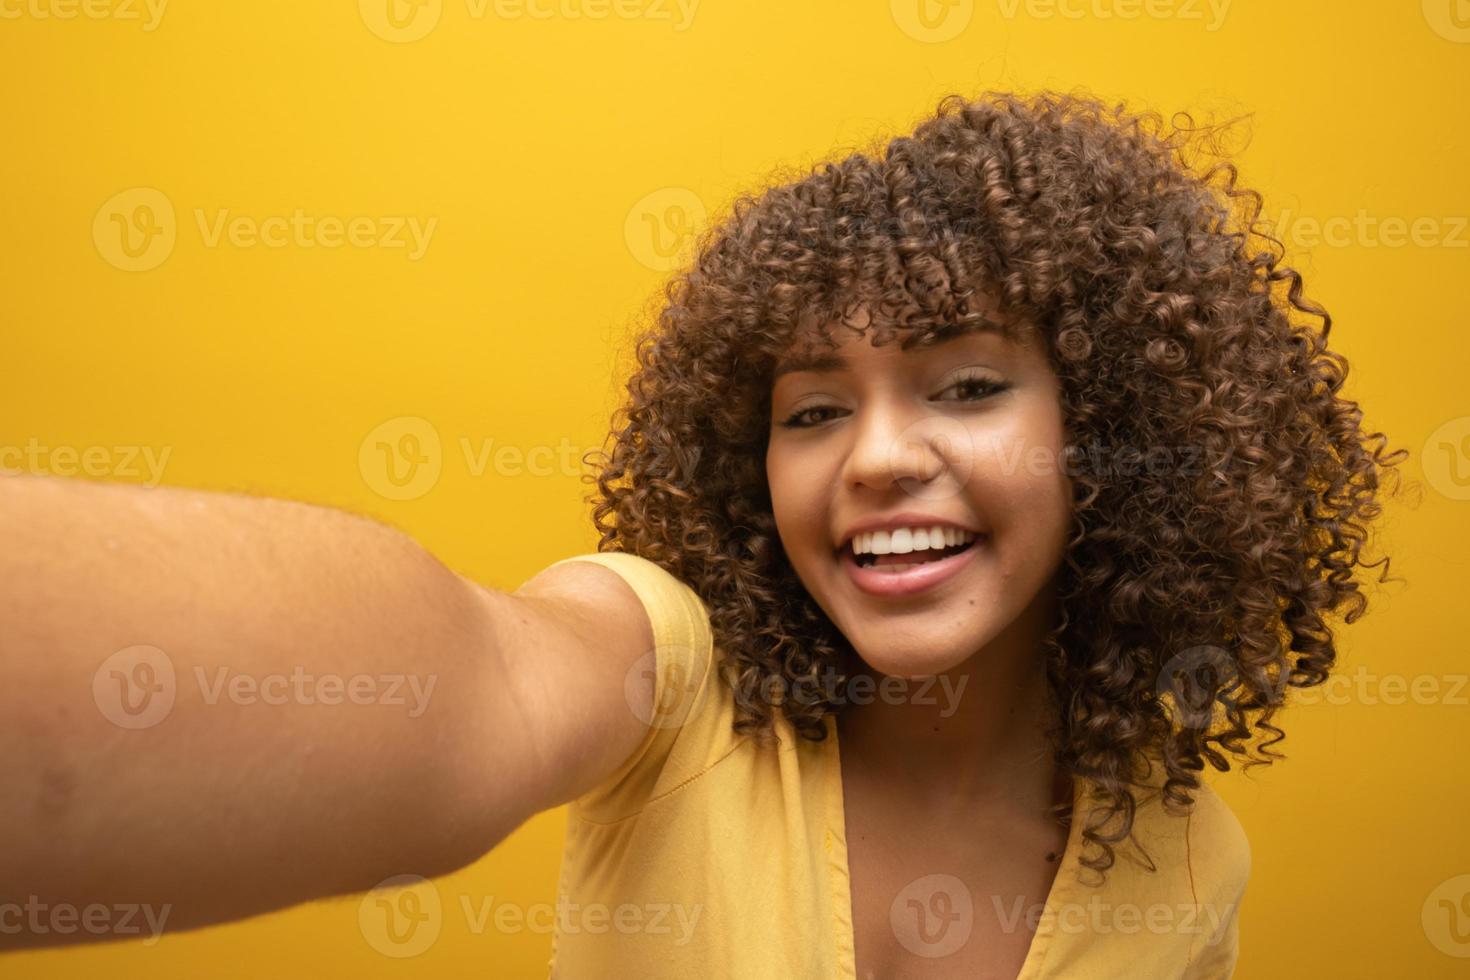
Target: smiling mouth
[912, 559]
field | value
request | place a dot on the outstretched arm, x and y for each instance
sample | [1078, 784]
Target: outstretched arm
[226, 704]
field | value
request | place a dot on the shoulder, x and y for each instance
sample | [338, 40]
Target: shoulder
[1219, 870]
[1206, 837]
[657, 589]
[677, 617]
[1216, 867]
[1219, 850]
[670, 688]
[1204, 843]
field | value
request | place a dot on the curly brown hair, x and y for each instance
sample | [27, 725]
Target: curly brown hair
[1167, 314]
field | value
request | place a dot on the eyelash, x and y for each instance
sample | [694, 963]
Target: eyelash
[986, 386]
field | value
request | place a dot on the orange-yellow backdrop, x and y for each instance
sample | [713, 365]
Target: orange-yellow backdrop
[553, 155]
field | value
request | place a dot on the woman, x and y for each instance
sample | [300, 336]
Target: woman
[993, 459]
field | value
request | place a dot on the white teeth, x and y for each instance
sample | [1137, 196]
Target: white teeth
[902, 541]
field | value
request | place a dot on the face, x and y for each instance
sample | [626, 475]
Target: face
[874, 447]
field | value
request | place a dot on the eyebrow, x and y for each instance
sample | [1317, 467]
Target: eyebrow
[825, 363]
[817, 363]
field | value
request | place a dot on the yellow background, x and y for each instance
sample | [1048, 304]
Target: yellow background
[547, 148]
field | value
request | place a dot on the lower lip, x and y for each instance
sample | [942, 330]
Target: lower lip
[875, 581]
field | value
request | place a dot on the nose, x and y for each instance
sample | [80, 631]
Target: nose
[894, 445]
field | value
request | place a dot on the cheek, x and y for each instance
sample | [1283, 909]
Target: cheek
[795, 498]
[1017, 477]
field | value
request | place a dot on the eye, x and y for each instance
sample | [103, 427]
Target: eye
[975, 388]
[801, 420]
[971, 388]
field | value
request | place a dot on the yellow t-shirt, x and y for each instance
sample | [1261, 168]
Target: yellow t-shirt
[706, 855]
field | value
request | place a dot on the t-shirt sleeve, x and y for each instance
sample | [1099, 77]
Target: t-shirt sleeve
[679, 665]
[1220, 867]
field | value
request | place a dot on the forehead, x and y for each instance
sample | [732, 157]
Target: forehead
[831, 349]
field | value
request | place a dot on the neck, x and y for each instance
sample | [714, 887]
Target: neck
[975, 736]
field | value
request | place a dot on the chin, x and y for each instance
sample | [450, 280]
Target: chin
[918, 655]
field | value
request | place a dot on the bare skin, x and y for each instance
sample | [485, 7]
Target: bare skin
[967, 794]
[228, 807]
[906, 822]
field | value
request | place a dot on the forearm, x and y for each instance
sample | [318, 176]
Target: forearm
[327, 676]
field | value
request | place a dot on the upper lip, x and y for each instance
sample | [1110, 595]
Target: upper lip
[891, 522]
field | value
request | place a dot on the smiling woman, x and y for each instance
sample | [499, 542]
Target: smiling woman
[1033, 294]
[884, 430]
